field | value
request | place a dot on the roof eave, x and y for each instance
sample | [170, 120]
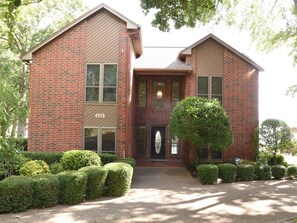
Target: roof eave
[28, 56]
[188, 50]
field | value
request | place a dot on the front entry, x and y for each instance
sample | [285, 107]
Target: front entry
[158, 142]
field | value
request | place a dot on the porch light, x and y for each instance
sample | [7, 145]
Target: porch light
[159, 94]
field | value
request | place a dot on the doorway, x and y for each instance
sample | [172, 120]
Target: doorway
[158, 145]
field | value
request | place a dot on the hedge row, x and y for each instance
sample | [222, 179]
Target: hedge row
[55, 157]
[18, 193]
[209, 173]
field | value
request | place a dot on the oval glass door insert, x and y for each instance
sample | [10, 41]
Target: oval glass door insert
[158, 141]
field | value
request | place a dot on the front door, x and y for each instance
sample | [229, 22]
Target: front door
[158, 142]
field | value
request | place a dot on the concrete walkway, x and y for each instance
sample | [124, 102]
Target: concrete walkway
[172, 195]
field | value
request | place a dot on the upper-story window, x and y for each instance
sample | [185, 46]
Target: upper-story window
[210, 87]
[159, 95]
[101, 82]
[175, 93]
[142, 94]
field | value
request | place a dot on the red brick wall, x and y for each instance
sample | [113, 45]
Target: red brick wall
[123, 95]
[241, 104]
[56, 93]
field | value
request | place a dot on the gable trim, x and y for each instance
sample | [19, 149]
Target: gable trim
[28, 56]
[188, 50]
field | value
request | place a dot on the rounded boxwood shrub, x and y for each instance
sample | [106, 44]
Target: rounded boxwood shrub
[96, 181]
[118, 179]
[263, 172]
[16, 194]
[56, 168]
[245, 172]
[46, 190]
[73, 186]
[130, 161]
[292, 171]
[278, 171]
[34, 167]
[107, 158]
[227, 172]
[48, 157]
[207, 173]
[76, 159]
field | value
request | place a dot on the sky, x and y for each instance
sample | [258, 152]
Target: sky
[278, 65]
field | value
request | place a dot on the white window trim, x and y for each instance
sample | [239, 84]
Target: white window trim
[101, 83]
[99, 137]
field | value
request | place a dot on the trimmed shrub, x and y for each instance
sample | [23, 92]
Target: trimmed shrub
[16, 194]
[34, 167]
[208, 173]
[130, 161]
[107, 158]
[73, 186]
[227, 172]
[279, 159]
[118, 179]
[46, 190]
[48, 157]
[292, 171]
[278, 171]
[245, 172]
[263, 172]
[56, 168]
[76, 159]
[96, 181]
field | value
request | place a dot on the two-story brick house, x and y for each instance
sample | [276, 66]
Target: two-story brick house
[94, 86]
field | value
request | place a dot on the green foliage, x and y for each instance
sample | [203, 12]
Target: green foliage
[11, 158]
[208, 173]
[245, 172]
[20, 143]
[118, 179]
[107, 158]
[46, 190]
[227, 172]
[263, 172]
[279, 159]
[34, 167]
[278, 171]
[56, 168]
[292, 171]
[130, 161]
[22, 28]
[275, 136]
[76, 159]
[73, 185]
[16, 194]
[201, 122]
[48, 157]
[192, 165]
[96, 181]
[182, 13]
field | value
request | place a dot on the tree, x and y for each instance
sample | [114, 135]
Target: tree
[32, 24]
[201, 122]
[275, 136]
[183, 13]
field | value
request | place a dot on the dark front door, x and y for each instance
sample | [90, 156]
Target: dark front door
[158, 142]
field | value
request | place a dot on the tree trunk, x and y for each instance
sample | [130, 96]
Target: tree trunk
[22, 123]
[14, 126]
[295, 3]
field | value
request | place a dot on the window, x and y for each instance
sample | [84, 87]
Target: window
[210, 87]
[204, 154]
[101, 82]
[141, 141]
[142, 94]
[159, 94]
[175, 93]
[100, 139]
[174, 146]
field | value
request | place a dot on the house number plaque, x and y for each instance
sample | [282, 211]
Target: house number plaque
[99, 115]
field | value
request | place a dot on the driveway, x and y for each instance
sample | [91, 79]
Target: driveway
[172, 195]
